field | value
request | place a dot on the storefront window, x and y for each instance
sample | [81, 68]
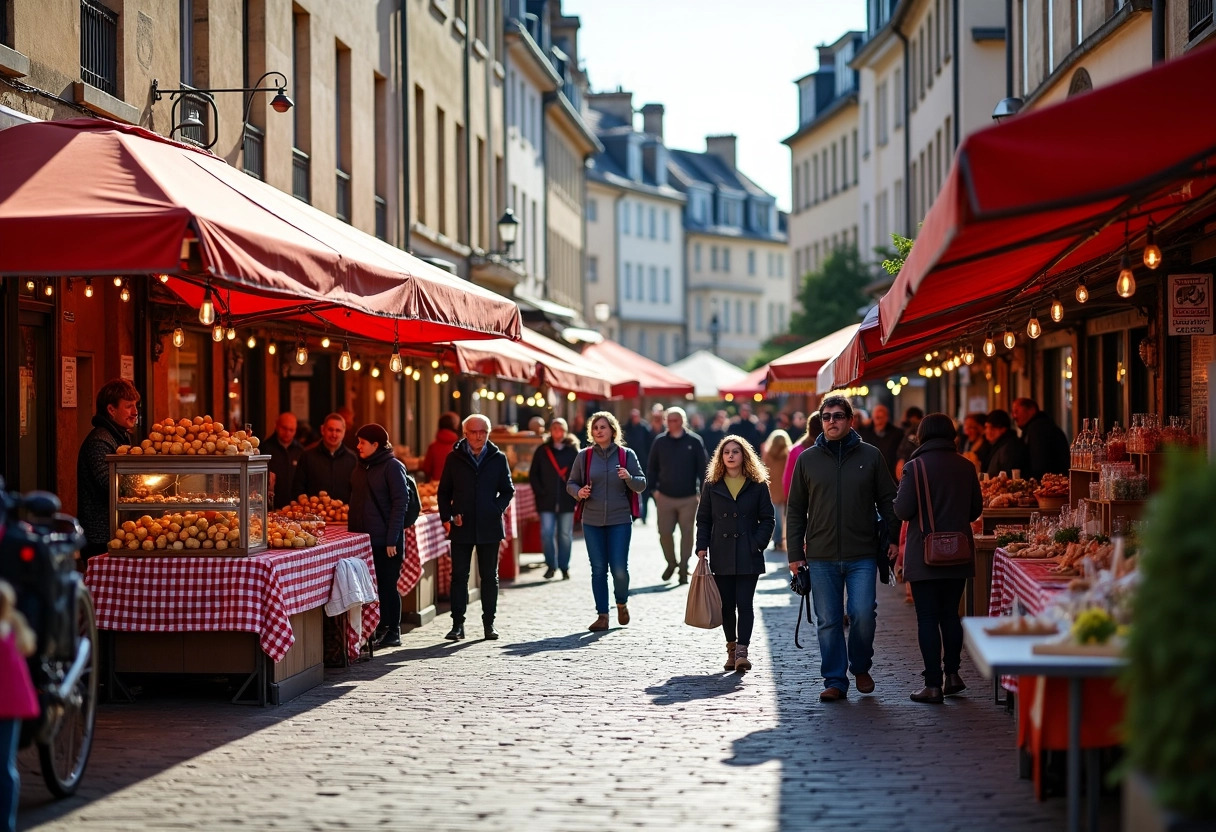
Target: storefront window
[188, 376]
[1058, 386]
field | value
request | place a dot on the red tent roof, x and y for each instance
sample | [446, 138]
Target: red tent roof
[635, 375]
[796, 372]
[1040, 199]
[93, 197]
[748, 386]
[525, 361]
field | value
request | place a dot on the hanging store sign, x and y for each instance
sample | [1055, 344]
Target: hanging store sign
[1189, 300]
[67, 385]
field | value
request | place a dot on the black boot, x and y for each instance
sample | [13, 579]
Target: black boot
[457, 631]
[491, 633]
[390, 638]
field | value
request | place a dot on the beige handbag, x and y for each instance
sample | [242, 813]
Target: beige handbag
[704, 608]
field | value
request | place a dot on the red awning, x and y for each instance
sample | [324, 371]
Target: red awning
[796, 372]
[635, 375]
[1040, 199]
[527, 361]
[864, 356]
[93, 197]
[748, 387]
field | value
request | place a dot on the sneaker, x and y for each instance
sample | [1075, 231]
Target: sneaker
[550, 572]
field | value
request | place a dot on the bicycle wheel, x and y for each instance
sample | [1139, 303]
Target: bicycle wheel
[65, 755]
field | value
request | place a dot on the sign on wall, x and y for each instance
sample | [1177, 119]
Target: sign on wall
[1189, 300]
[67, 384]
[126, 367]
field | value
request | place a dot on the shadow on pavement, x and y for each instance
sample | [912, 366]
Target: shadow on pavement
[679, 689]
[574, 641]
[648, 590]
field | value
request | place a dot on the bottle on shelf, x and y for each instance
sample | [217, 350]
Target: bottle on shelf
[1116, 445]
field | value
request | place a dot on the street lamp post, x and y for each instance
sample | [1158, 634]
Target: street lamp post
[715, 328]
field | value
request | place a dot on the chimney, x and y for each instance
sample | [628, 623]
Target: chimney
[618, 104]
[652, 120]
[827, 58]
[723, 147]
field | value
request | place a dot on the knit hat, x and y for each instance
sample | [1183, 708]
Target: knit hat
[373, 433]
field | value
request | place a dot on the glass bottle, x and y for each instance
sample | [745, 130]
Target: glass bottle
[1116, 445]
[1097, 446]
[1134, 434]
[1077, 443]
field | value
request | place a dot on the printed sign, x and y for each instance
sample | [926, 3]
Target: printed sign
[127, 367]
[67, 384]
[1190, 304]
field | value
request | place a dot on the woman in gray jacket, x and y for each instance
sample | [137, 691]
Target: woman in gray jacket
[606, 479]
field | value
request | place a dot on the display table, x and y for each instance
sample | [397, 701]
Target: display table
[508, 550]
[426, 547]
[1012, 655]
[260, 614]
[1024, 581]
[1018, 515]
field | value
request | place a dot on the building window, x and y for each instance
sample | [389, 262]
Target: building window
[642, 341]
[700, 313]
[947, 32]
[797, 263]
[751, 318]
[666, 225]
[654, 285]
[807, 193]
[666, 284]
[751, 262]
[739, 316]
[713, 258]
[628, 281]
[625, 218]
[593, 211]
[726, 316]
[98, 46]
[652, 223]
[797, 180]
[593, 269]
[662, 347]
[726, 259]
[641, 211]
[696, 256]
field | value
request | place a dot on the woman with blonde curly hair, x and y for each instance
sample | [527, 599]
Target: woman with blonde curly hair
[735, 522]
[606, 479]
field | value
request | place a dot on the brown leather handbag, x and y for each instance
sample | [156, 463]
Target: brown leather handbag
[941, 548]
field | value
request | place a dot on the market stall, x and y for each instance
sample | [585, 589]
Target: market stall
[427, 548]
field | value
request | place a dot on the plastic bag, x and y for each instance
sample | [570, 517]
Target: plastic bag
[704, 607]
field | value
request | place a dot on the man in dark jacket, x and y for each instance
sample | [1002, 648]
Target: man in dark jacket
[285, 453]
[1047, 447]
[1008, 453]
[838, 485]
[474, 492]
[883, 435]
[116, 416]
[383, 503]
[674, 472]
[328, 466]
[714, 433]
[638, 436]
[551, 464]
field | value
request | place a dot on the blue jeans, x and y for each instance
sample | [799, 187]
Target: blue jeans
[556, 533]
[10, 783]
[829, 580]
[779, 528]
[608, 546]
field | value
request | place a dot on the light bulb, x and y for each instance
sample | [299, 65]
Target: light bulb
[125, 294]
[230, 332]
[968, 359]
[217, 333]
[937, 372]
[1057, 309]
[519, 398]
[206, 312]
[357, 364]
[395, 363]
[251, 342]
[444, 377]
[1152, 252]
[416, 375]
[325, 342]
[88, 287]
[179, 337]
[435, 378]
[344, 362]
[117, 281]
[1082, 292]
[455, 394]
[1010, 340]
[570, 396]
[163, 278]
[989, 346]
[272, 347]
[30, 285]
[49, 289]
[375, 371]
[928, 356]
[500, 396]
[1125, 285]
[301, 354]
[1033, 328]
[435, 365]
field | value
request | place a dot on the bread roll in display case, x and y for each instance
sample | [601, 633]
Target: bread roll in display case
[195, 506]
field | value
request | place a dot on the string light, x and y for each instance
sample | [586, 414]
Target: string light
[570, 396]
[272, 347]
[357, 364]
[48, 289]
[1009, 340]
[416, 376]
[435, 364]
[163, 278]
[968, 358]
[206, 312]
[1125, 285]
[394, 362]
[344, 362]
[301, 351]
[519, 399]
[1033, 328]
[30, 285]
[88, 287]
[1152, 252]
[989, 346]
[444, 377]
[230, 332]
[217, 333]
[251, 341]
[179, 336]
[375, 371]
[1057, 308]
[125, 294]
[1082, 292]
[325, 342]
[117, 282]
[500, 396]
[409, 370]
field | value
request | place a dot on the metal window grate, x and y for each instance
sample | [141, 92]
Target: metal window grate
[381, 218]
[343, 195]
[301, 187]
[1200, 15]
[99, 46]
[254, 154]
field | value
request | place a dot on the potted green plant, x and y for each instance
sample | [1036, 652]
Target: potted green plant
[1171, 675]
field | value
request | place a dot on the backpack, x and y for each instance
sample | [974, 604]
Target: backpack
[635, 505]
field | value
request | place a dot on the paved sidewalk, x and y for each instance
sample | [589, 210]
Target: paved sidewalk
[557, 728]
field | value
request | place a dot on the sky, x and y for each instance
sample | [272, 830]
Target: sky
[717, 66]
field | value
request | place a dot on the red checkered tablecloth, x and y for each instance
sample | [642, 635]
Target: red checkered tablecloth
[256, 594]
[424, 541]
[1022, 583]
[524, 502]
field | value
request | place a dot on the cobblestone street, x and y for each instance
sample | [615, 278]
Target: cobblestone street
[556, 728]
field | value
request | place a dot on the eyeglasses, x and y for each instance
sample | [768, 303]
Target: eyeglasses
[475, 432]
[833, 417]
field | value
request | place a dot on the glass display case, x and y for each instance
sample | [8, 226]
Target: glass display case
[213, 505]
[519, 447]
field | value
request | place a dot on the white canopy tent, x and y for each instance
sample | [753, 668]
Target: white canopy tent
[708, 373]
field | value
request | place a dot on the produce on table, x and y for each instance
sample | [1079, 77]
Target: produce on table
[332, 510]
[1068, 534]
[428, 496]
[199, 436]
[1093, 626]
[287, 534]
[218, 530]
[1003, 492]
[1053, 486]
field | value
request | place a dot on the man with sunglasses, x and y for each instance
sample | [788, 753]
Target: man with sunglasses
[840, 485]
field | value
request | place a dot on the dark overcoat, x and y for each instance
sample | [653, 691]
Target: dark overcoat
[954, 491]
[736, 531]
[479, 493]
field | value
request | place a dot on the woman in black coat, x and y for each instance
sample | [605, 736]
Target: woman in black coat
[735, 522]
[954, 492]
[383, 504]
[551, 464]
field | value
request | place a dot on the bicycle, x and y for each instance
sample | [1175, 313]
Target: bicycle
[38, 545]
